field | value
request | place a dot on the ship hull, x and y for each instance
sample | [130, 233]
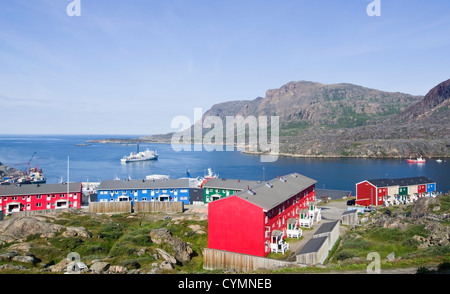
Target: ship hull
[139, 159]
[415, 161]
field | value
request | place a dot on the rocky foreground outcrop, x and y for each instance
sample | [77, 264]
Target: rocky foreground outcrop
[425, 211]
[19, 231]
[182, 250]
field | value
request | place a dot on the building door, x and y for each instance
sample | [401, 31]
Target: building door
[12, 207]
[215, 197]
[61, 204]
[164, 198]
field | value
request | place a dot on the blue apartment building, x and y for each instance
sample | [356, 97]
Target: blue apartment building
[149, 190]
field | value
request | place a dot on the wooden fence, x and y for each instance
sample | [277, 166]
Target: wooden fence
[218, 259]
[139, 206]
[110, 207]
[166, 206]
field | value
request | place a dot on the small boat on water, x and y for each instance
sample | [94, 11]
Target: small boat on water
[438, 160]
[417, 160]
[140, 156]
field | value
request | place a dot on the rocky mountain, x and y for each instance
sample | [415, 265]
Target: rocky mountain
[300, 104]
[420, 129]
[434, 106]
[345, 120]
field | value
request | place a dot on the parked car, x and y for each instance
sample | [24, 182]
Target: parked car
[368, 209]
[351, 202]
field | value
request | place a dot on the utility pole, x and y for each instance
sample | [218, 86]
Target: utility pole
[67, 181]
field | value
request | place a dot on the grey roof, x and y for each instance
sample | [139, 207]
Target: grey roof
[313, 245]
[230, 184]
[270, 194]
[276, 233]
[326, 227]
[333, 194]
[291, 220]
[35, 189]
[401, 181]
[143, 184]
[350, 211]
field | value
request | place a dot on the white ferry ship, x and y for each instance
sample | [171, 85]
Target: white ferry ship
[140, 156]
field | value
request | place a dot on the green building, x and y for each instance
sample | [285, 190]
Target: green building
[217, 188]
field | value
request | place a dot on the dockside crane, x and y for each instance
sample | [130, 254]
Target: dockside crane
[27, 171]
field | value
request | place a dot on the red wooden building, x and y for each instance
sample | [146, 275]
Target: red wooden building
[383, 191]
[39, 197]
[256, 221]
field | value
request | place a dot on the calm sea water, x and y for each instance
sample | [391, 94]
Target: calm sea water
[97, 162]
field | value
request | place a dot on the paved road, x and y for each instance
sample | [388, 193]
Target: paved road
[331, 211]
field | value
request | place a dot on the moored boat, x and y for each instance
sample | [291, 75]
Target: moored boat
[210, 175]
[417, 160]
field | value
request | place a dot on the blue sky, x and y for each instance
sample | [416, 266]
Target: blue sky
[130, 67]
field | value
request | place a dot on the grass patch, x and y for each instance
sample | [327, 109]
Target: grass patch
[444, 203]
[66, 243]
